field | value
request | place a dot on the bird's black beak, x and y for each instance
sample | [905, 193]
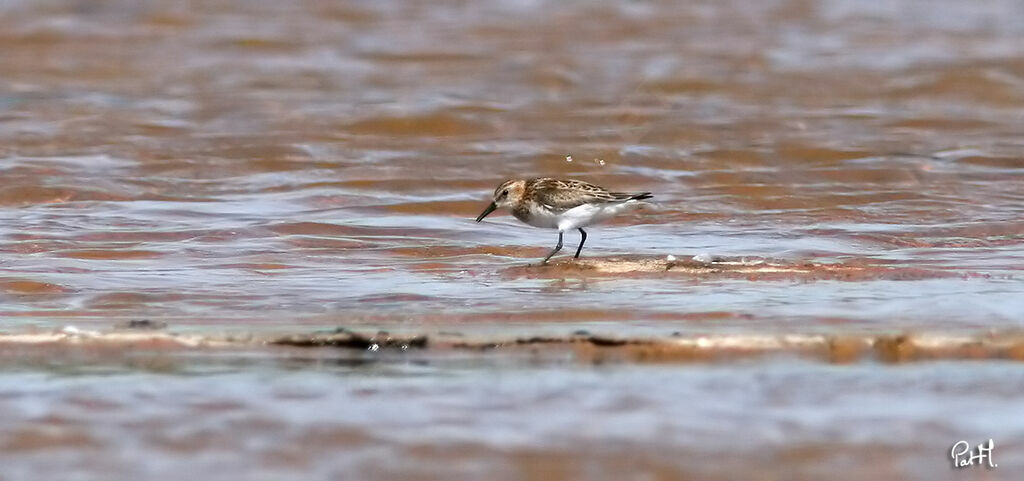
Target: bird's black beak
[486, 211]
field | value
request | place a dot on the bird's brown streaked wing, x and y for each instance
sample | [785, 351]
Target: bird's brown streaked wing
[562, 195]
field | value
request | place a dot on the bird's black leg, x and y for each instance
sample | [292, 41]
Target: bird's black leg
[583, 238]
[557, 248]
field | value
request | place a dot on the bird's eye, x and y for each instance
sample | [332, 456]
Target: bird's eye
[504, 193]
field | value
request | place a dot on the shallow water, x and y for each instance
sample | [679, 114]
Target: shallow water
[289, 166]
[443, 419]
[317, 162]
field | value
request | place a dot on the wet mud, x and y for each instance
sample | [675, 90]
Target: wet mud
[749, 268]
[582, 346]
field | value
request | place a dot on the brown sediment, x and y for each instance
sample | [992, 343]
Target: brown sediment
[990, 161]
[37, 194]
[436, 124]
[124, 300]
[28, 286]
[906, 348]
[836, 349]
[941, 124]
[749, 268]
[321, 243]
[818, 155]
[111, 254]
[846, 349]
[29, 440]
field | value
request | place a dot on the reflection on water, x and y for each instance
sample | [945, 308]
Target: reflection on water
[247, 166]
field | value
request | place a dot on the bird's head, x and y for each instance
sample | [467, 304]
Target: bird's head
[507, 194]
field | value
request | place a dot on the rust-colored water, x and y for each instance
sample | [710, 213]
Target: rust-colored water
[257, 166]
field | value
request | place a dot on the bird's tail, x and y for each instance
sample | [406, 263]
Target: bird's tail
[623, 196]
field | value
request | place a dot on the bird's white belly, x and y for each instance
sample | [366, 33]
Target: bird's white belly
[586, 214]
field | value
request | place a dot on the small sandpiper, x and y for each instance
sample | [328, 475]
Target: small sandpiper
[560, 204]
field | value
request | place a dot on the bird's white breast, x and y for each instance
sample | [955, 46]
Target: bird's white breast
[539, 217]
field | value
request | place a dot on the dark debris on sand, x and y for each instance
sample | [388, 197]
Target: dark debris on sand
[344, 338]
